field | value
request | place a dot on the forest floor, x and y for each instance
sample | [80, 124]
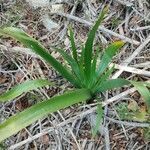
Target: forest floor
[70, 129]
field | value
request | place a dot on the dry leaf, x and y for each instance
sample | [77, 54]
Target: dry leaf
[133, 106]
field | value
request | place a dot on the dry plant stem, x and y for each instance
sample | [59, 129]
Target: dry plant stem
[123, 128]
[134, 54]
[140, 28]
[105, 128]
[67, 22]
[119, 96]
[61, 2]
[131, 69]
[141, 65]
[107, 139]
[103, 29]
[134, 124]
[126, 3]
[140, 14]
[17, 49]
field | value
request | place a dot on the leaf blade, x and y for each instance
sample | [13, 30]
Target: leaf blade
[113, 83]
[143, 90]
[24, 87]
[99, 117]
[103, 78]
[73, 46]
[31, 43]
[108, 55]
[73, 64]
[89, 45]
[30, 115]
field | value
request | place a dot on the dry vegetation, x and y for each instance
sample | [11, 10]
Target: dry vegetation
[70, 129]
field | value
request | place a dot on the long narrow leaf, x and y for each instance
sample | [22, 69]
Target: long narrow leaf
[94, 63]
[111, 84]
[108, 55]
[89, 45]
[39, 49]
[93, 67]
[143, 90]
[24, 87]
[73, 64]
[99, 117]
[81, 66]
[81, 60]
[30, 115]
[73, 46]
[102, 79]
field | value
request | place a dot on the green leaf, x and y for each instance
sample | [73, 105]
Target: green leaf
[111, 84]
[146, 84]
[107, 74]
[73, 64]
[108, 55]
[30, 115]
[31, 43]
[99, 117]
[24, 87]
[81, 67]
[93, 68]
[102, 79]
[73, 46]
[143, 90]
[89, 45]
[81, 60]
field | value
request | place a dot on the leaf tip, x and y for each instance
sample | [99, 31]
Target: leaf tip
[119, 43]
[106, 8]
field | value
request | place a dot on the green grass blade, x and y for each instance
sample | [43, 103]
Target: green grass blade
[143, 90]
[108, 55]
[97, 55]
[111, 84]
[102, 79]
[89, 45]
[73, 64]
[81, 66]
[99, 117]
[39, 49]
[73, 46]
[30, 115]
[81, 60]
[93, 68]
[24, 87]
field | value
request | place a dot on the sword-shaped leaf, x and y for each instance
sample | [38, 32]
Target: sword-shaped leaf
[73, 46]
[99, 117]
[31, 43]
[143, 90]
[102, 79]
[22, 88]
[111, 84]
[108, 55]
[89, 45]
[32, 114]
[73, 64]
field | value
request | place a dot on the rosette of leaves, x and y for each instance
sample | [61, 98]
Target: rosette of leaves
[88, 76]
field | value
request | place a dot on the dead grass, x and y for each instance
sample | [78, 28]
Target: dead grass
[71, 128]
